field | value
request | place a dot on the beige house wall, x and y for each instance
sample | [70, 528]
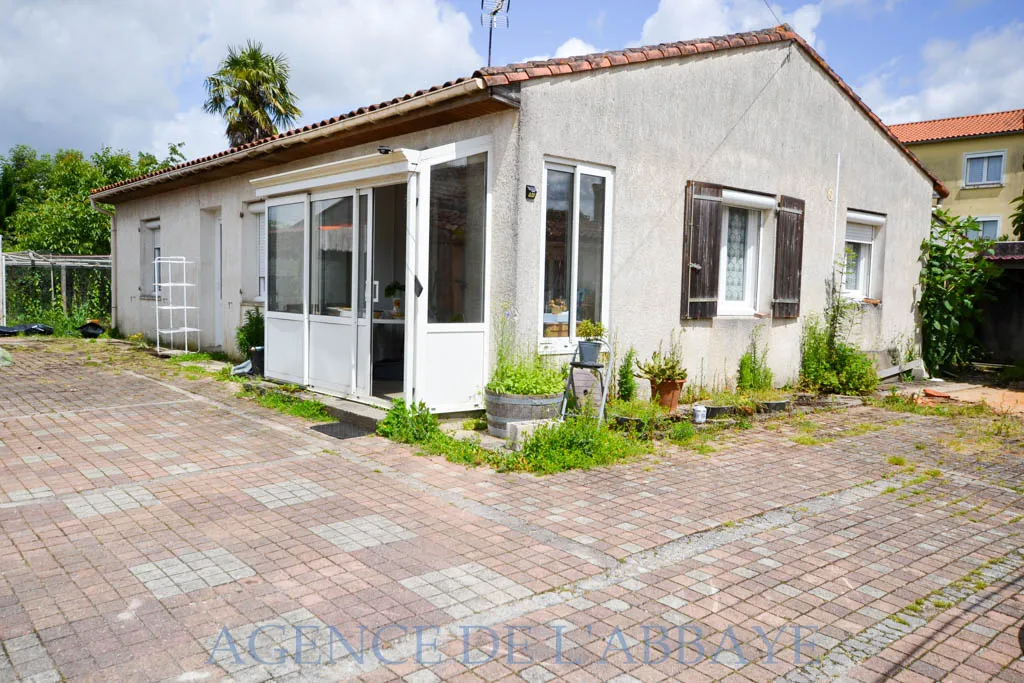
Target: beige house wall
[946, 160]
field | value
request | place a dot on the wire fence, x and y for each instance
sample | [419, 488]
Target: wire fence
[62, 291]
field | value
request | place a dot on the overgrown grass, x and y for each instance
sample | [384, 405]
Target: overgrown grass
[904, 404]
[311, 410]
[580, 442]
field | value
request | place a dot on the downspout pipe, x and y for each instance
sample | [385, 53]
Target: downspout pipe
[835, 217]
[113, 259]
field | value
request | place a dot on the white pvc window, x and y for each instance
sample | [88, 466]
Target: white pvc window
[149, 241]
[738, 261]
[577, 241]
[984, 168]
[857, 276]
[988, 227]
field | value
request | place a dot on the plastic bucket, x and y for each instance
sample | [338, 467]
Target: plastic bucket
[700, 414]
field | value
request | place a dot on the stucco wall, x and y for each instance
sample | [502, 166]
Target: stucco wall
[946, 160]
[188, 216]
[764, 119]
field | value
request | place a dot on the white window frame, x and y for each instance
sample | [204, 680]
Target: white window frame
[872, 222]
[755, 224]
[259, 210]
[152, 244]
[567, 345]
[996, 219]
[984, 155]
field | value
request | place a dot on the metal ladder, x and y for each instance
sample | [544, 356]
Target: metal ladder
[584, 377]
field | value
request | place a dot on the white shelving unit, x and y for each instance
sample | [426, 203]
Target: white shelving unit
[172, 302]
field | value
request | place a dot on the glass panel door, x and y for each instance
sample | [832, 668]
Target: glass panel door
[332, 333]
[285, 330]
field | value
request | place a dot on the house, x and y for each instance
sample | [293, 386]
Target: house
[707, 186]
[979, 158]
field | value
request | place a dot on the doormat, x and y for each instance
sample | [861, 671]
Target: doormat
[342, 430]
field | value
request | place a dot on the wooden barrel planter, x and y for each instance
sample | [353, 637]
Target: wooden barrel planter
[505, 408]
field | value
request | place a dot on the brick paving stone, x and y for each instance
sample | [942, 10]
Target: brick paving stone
[128, 497]
[292, 492]
[105, 578]
[465, 589]
[363, 532]
[191, 571]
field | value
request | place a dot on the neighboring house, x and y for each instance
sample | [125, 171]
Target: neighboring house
[704, 187]
[979, 158]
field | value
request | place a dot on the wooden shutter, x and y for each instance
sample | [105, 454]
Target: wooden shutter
[701, 250]
[789, 248]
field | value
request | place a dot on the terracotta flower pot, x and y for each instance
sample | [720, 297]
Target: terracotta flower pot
[667, 392]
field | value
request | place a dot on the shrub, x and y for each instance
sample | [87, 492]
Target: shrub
[250, 332]
[828, 362]
[956, 280]
[408, 424]
[647, 417]
[581, 442]
[626, 379]
[754, 373]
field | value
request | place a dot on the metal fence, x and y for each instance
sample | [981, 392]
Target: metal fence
[34, 285]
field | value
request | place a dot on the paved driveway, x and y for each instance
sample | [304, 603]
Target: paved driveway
[156, 527]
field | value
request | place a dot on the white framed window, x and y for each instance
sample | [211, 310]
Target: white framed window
[576, 239]
[149, 252]
[988, 227]
[738, 262]
[984, 168]
[860, 239]
[254, 253]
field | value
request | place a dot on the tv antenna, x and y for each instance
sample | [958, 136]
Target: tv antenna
[493, 14]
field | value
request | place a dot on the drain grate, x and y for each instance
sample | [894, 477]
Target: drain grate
[342, 430]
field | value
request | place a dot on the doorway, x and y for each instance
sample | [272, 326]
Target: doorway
[335, 318]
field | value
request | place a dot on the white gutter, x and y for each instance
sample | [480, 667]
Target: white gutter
[113, 260]
[339, 127]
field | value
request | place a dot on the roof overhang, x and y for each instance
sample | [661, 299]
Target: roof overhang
[458, 102]
[382, 164]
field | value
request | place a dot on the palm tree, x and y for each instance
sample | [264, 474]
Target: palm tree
[250, 89]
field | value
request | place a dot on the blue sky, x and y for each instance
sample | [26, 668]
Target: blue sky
[129, 74]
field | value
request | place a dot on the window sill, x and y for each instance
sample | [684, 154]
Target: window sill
[980, 186]
[737, 312]
[556, 347]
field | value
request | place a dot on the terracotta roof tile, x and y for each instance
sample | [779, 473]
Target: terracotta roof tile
[960, 127]
[514, 73]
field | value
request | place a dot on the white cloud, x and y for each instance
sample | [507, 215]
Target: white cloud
[685, 19]
[574, 47]
[984, 74]
[130, 73]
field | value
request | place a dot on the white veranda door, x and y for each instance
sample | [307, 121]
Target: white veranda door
[451, 248]
[285, 317]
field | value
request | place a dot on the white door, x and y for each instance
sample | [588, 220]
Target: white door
[450, 276]
[285, 335]
[333, 292]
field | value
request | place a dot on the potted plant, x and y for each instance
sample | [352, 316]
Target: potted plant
[523, 386]
[590, 334]
[391, 290]
[666, 374]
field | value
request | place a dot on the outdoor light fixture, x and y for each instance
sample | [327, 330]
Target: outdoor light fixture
[384, 149]
[531, 192]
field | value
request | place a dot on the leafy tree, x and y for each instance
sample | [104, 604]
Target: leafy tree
[250, 89]
[50, 196]
[956, 279]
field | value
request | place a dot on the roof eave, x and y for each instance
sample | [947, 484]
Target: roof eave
[376, 116]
